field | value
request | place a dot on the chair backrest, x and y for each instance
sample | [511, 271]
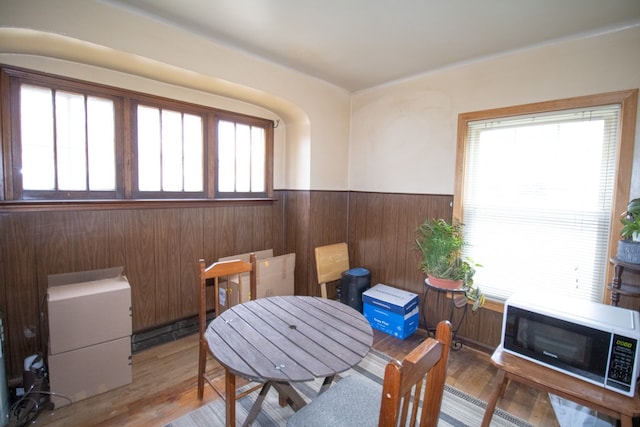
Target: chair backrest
[403, 388]
[216, 271]
[331, 262]
[356, 400]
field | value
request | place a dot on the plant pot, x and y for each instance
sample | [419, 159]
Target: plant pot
[628, 251]
[444, 283]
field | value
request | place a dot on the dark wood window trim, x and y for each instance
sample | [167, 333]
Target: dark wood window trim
[92, 205]
[125, 102]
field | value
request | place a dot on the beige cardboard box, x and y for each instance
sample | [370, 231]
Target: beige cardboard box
[89, 333]
[88, 308]
[88, 371]
[274, 276]
[228, 295]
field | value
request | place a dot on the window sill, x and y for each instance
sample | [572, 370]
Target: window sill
[494, 305]
[489, 304]
[79, 205]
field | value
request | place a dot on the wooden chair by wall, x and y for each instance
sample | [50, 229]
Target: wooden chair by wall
[357, 401]
[215, 271]
[331, 262]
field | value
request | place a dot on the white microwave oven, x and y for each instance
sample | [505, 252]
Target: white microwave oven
[591, 341]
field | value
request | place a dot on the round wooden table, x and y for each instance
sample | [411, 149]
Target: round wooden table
[281, 340]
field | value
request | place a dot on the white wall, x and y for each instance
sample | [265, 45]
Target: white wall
[403, 135]
[399, 137]
[93, 41]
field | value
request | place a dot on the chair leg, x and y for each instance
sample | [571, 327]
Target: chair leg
[202, 364]
[230, 398]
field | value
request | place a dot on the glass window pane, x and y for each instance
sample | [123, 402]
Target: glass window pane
[243, 158]
[193, 158]
[566, 184]
[76, 144]
[226, 156]
[36, 133]
[148, 149]
[257, 159]
[102, 152]
[71, 142]
[560, 189]
[171, 151]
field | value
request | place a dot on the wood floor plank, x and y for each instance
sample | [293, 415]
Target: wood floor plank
[164, 387]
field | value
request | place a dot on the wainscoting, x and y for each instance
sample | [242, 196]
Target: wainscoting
[159, 249]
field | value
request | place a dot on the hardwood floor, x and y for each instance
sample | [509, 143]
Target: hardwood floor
[164, 387]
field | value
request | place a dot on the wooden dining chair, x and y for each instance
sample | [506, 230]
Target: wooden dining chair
[331, 262]
[358, 401]
[231, 270]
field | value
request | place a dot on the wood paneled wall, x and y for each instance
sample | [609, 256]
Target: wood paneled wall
[159, 249]
[382, 234]
[382, 239]
[380, 230]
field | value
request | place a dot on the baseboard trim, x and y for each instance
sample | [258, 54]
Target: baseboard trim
[166, 333]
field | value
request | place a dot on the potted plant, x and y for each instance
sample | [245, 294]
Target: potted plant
[440, 245]
[629, 245]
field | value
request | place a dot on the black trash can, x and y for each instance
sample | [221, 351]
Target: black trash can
[354, 282]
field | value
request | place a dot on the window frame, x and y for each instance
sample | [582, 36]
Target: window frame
[13, 190]
[627, 100]
[240, 118]
[125, 108]
[175, 106]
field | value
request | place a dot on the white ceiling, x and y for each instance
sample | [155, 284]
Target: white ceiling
[357, 44]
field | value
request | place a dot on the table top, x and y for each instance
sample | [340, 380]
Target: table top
[289, 338]
[629, 265]
[566, 386]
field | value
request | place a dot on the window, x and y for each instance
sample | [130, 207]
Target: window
[241, 158]
[67, 142]
[73, 140]
[169, 151]
[538, 191]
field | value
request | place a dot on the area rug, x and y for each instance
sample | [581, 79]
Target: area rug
[458, 408]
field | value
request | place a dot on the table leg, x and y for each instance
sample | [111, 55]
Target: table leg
[326, 384]
[495, 397]
[290, 395]
[457, 345]
[626, 421]
[230, 398]
[253, 413]
[444, 293]
[424, 310]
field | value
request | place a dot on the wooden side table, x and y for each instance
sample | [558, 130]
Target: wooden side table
[617, 287]
[514, 368]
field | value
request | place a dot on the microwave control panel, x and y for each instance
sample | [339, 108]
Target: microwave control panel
[621, 363]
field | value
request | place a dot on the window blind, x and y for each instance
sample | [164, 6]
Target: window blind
[537, 201]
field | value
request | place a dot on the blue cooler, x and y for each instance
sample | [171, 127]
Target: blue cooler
[354, 282]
